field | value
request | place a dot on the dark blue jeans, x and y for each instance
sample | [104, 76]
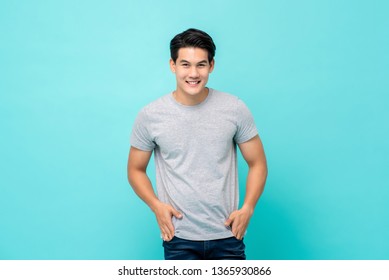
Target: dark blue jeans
[219, 249]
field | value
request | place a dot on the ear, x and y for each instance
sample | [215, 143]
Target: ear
[211, 65]
[172, 65]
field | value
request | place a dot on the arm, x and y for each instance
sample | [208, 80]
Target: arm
[140, 182]
[254, 155]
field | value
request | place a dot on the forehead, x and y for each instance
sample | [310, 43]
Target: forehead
[192, 54]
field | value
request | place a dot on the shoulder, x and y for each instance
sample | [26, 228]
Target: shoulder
[155, 107]
[225, 96]
[227, 100]
[158, 103]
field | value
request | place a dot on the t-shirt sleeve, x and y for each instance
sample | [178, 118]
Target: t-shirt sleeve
[246, 128]
[140, 136]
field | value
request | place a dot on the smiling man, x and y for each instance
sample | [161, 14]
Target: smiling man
[193, 132]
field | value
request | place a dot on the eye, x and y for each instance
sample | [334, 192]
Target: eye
[185, 65]
[202, 65]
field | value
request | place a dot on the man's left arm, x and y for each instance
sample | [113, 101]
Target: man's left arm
[254, 155]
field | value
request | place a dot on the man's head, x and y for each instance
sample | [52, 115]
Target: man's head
[192, 38]
[192, 61]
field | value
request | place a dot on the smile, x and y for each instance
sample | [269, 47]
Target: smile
[193, 82]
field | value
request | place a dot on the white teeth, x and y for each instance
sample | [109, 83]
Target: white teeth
[192, 83]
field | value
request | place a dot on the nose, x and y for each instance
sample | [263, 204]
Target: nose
[194, 73]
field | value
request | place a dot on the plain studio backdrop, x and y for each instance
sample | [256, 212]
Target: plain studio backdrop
[74, 74]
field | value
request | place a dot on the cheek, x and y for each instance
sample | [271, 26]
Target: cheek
[181, 75]
[205, 76]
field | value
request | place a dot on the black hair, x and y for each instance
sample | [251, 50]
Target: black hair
[192, 38]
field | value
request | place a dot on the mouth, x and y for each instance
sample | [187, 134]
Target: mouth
[192, 83]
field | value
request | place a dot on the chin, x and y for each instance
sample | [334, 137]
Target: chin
[195, 91]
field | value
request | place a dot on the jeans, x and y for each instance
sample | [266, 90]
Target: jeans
[219, 249]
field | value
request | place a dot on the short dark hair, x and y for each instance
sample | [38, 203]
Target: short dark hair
[192, 38]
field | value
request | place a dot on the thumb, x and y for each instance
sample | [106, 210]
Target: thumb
[176, 214]
[228, 222]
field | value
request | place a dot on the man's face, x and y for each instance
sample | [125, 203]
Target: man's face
[192, 69]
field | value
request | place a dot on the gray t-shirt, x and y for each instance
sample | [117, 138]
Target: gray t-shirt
[196, 158]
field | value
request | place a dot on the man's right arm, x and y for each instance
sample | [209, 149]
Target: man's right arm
[140, 182]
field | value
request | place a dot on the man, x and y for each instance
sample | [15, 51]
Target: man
[194, 132]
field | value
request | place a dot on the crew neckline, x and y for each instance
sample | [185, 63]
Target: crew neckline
[210, 92]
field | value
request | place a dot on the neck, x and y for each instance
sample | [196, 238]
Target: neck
[190, 100]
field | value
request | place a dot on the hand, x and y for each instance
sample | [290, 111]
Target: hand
[238, 221]
[164, 213]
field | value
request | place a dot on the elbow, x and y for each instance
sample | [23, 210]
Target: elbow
[130, 174]
[260, 168]
[134, 173]
[263, 171]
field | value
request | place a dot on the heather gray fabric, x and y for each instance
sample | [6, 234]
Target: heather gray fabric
[196, 158]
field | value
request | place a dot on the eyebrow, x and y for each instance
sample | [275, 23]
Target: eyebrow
[185, 61]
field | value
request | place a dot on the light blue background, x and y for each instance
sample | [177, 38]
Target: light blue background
[74, 74]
